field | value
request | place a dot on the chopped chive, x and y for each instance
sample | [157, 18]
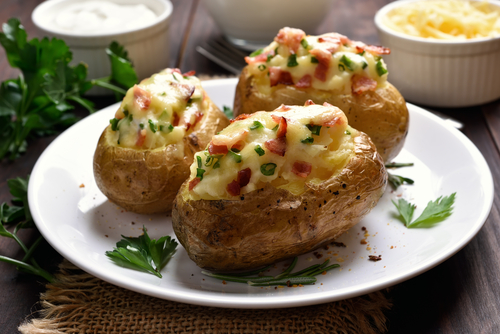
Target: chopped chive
[347, 132]
[216, 164]
[314, 60]
[198, 160]
[114, 124]
[269, 57]
[365, 65]
[152, 126]
[275, 128]
[256, 52]
[308, 140]
[141, 125]
[341, 68]
[262, 67]
[268, 169]
[347, 62]
[381, 70]
[199, 173]
[256, 125]
[304, 43]
[315, 129]
[125, 111]
[260, 151]
[235, 156]
[292, 61]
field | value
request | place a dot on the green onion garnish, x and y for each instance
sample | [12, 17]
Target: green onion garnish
[315, 129]
[262, 67]
[341, 68]
[381, 70]
[198, 160]
[235, 155]
[141, 125]
[268, 169]
[292, 60]
[260, 151]
[152, 126]
[199, 173]
[347, 62]
[114, 124]
[347, 132]
[256, 125]
[256, 52]
[308, 140]
[314, 60]
[304, 43]
[365, 64]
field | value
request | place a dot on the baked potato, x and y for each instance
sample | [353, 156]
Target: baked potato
[144, 155]
[274, 185]
[328, 68]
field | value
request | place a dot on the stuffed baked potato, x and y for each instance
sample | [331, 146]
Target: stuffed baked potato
[144, 155]
[274, 185]
[328, 68]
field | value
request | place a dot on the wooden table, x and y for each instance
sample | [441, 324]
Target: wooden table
[462, 295]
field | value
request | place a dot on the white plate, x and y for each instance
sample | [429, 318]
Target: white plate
[82, 225]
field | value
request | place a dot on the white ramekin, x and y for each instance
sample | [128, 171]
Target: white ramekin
[441, 73]
[148, 46]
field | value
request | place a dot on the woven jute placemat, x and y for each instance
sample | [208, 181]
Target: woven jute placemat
[81, 303]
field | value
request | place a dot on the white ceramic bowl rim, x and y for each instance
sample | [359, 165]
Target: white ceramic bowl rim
[47, 4]
[400, 3]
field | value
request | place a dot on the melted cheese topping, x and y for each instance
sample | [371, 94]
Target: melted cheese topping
[311, 139]
[159, 111]
[449, 20]
[348, 58]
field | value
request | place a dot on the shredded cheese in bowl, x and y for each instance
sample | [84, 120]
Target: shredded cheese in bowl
[445, 19]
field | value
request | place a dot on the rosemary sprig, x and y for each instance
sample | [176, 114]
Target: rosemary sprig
[304, 276]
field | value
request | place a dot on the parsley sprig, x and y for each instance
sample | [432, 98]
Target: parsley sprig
[434, 212]
[39, 101]
[256, 277]
[143, 253]
[395, 180]
[19, 215]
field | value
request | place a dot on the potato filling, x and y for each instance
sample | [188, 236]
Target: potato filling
[159, 111]
[287, 147]
[327, 62]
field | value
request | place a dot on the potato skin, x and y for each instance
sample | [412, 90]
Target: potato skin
[271, 224]
[381, 114]
[147, 181]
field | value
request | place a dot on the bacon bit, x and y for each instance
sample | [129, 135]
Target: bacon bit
[302, 168]
[142, 98]
[304, 82]
[82, 185]
[233, 188]
[278, 76]
[258, 59]
[374, 258]
[323, 63]
[362, 84]
[276, 146]
[175, 121]
[141, 137]
[281, 133]
[193, 183]
[188, 74]
[309, 103]
[334, 121]
[290, 37]
[173, 70]
[186, 89]
[339, 244]
[378, 50]
[231, 139]
[217, 149]
[363, 242]
[281, 108]
[363, 228]
[240, 117]
[318, 255]
[335, 36]
[239, 145]
[244, 177]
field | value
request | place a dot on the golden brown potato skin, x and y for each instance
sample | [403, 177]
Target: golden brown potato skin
[146, 181]
[270, 224]
[381, 114]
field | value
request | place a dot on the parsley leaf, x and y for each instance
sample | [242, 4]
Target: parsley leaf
[434, 212]
[142, 253]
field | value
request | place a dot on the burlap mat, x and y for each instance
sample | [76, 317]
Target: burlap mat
[81, 303]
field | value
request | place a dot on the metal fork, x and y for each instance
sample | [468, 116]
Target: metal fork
[224, 54]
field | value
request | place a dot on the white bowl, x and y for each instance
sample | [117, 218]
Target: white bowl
[441, 73]
[147, 46]
[254, 24]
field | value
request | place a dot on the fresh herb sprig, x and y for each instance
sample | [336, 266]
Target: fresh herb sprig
[434, 212]
[39, 101]
[19, 215]
[304, 276]
[143, 253]
[395, 180]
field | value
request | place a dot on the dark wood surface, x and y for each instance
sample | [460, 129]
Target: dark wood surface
[461, 295]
